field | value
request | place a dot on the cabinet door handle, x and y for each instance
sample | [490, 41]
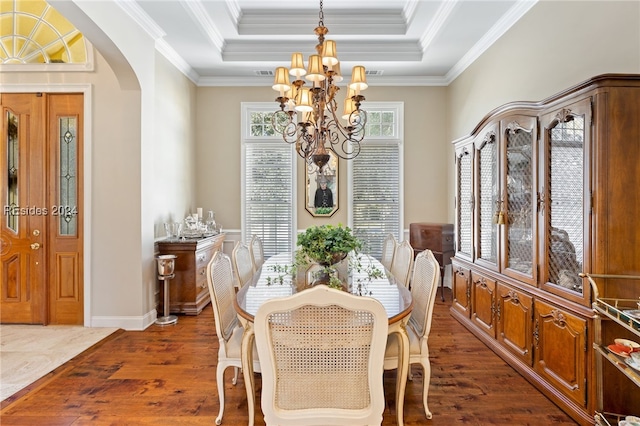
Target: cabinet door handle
[201, 257]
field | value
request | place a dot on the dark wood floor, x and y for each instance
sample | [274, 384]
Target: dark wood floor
[166, 376]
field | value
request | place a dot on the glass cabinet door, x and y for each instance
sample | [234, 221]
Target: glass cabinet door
[464, 202]
[562, 200]
[518, 213]
[488, 203]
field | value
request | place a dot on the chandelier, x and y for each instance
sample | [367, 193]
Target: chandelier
[308, 116]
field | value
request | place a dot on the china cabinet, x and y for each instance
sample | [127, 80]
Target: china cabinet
[188, 289]
[544, 192]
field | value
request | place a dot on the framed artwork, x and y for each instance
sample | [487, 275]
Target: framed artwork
[322, 187]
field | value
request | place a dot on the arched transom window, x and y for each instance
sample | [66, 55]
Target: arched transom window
[33, 32]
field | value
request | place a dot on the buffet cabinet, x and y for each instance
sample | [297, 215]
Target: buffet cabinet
[188, 292]
[437, 237]
[546, 191]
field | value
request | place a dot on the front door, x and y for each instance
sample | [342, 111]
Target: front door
[41, 239]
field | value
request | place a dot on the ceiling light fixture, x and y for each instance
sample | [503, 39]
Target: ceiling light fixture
[320, 127]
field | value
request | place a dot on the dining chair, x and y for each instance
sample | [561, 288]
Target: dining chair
[388, 249]
[257, 252]
[322, 353]
[220, 282]
[402, 263]
[242, 263]
[424, 285]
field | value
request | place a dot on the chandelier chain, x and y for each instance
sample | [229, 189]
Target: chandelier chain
[321, 16]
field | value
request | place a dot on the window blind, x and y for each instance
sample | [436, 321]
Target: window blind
[376, 194]
[268, 194]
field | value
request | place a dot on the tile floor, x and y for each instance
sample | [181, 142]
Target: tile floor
[28, 352]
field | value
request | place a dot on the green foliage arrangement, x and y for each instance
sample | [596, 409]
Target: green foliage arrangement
[327, 244]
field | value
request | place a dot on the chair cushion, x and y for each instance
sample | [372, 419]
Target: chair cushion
[234, 345]
[392, 344]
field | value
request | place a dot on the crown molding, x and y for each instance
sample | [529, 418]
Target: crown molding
[302, 22]
[349, 50]
[176, 60]
[141, 18]
[199, 14]
[437, 23]
[381, 81]
[498, 30]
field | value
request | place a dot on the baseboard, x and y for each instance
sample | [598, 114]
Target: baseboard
[130, 323]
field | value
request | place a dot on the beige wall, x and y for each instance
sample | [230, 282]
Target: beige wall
[555, 45]
[218, 153]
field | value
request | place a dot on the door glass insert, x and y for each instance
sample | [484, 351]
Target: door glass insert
[519, 199]
[67, 209]
[488, 199]
[465, 209]
[565, 216]
[12, 172]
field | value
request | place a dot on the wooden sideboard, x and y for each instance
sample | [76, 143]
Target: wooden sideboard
[188, 292]
[437, 237]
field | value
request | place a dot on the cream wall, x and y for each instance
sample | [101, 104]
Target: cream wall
[557, 44]
[218, 159]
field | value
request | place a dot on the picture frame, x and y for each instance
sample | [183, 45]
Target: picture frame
[322, 201]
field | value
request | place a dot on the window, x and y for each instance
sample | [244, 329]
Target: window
[268, 180]
[34, 35]
[375, 177]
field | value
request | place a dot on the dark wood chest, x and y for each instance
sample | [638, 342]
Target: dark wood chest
[437, 237]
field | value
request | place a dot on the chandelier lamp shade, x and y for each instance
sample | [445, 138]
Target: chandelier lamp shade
[308, 115]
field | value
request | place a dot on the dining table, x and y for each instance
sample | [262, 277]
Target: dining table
[274, 280]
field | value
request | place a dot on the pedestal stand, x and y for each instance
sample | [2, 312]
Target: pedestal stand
[166, 319]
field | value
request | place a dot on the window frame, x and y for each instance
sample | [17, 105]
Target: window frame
[398, 140]
[247, 108]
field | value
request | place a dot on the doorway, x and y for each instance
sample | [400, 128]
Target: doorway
[42, 204]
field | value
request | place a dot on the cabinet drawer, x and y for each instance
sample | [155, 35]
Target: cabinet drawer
[433, 236]
[203, 257]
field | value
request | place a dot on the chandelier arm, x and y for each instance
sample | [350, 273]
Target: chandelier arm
[349, 148]
[322, 127]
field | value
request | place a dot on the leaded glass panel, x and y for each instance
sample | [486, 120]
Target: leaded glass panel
[488, 199]
[67, 207]
[519, 199]
[565, 214]
[465, 208]
[12, 201]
